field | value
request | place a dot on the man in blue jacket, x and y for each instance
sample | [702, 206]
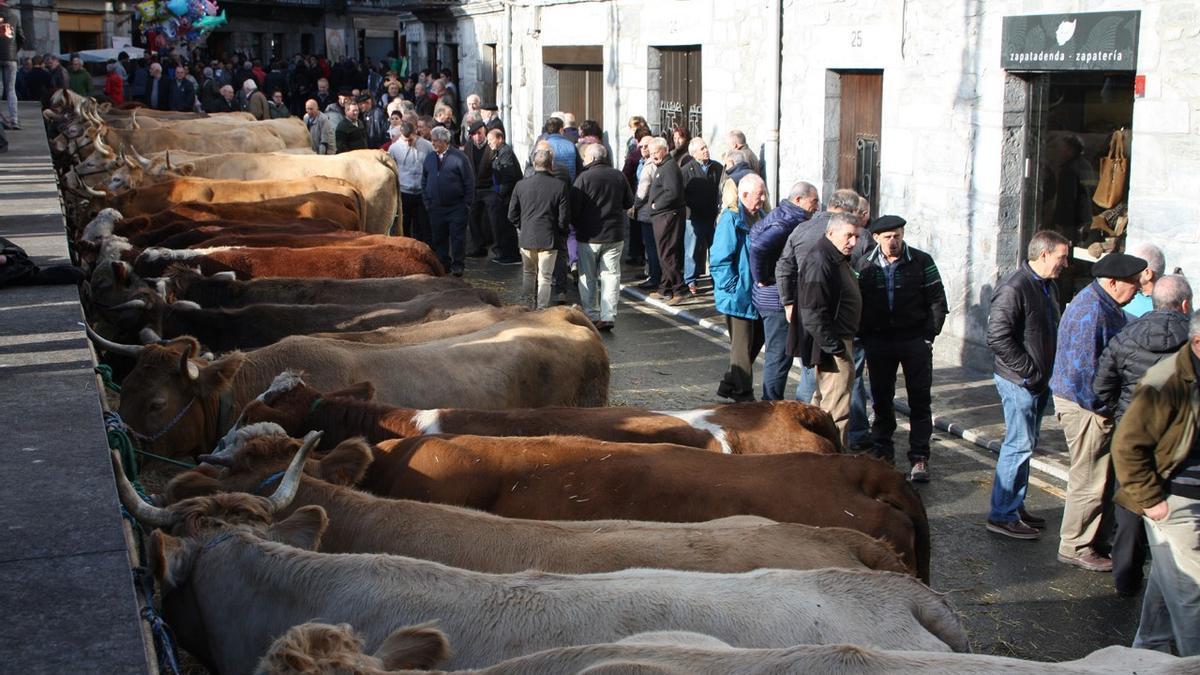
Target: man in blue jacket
[729, 261]
[1093, 317]
[449, 188]
[767, 238]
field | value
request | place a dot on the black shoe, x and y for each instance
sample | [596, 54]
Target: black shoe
[1016, 529]
[1030, 519]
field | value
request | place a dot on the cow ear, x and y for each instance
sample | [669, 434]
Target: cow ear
[257, 411]
[421, 647]
[218, 375]
[363, 391]
[302, 529]
[194, 483]
[171, 558]
[190, 370]
[185, 169]
[347, 463]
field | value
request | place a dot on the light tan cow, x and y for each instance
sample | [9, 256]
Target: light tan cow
[322, 648]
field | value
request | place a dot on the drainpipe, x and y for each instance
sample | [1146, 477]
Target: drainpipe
[508, 66]
[775, 76]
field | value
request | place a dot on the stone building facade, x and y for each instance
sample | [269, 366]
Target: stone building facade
[57, 26]
[909, 101]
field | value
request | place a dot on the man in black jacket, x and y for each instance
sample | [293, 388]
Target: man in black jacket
[1142, 343]
[351, 133]
[904, 308]
[181, 92]
[702, 191]
[667, 213]
[541, 211]
[477, 150]
[449, 189]
[599, 202]
[1023, 336]
[826, 315]
[506, 171]
[374, 120]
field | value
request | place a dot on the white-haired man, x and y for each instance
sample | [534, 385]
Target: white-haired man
[733, 287]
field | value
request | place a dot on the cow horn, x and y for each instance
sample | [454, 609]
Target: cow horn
[168, 157]
[133, 119]
[132, 351]
[149, 337]
[93, 191]
[127, 160]
[101, 147]
[290, 482]
[139, 157]
[144, 513]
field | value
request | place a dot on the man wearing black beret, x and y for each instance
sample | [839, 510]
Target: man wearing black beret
[1092, 319]
[904, 308]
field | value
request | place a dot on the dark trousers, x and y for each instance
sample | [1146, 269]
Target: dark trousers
[668, 236]
[448, 227]
[504, 235]
[416, 220]
[1128, 550]
[635, 245]
[776, 362]
[480, 223]
[745, 342]
[653, 269]
[884, 356]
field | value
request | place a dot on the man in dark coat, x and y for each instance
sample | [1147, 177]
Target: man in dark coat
[541, 211]
[12, 38]
[1023, 335]
[351, 133]
[506, 172]
[825, 316]
[767, 237]
[600, 199]
[17, 269]
[157, 94]
[904, 309]
[702, 192]
[1142, 343]
[181, 93]
[449, 188]
[668, 210]
[374, 120]
[479, 153]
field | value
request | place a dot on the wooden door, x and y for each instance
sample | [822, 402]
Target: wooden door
[679, 90]
[858, 139]
[581, 92]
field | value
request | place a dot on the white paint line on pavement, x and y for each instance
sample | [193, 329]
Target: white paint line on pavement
[706, 324]
[691, 329]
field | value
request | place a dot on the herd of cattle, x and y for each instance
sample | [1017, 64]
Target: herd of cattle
[472, 503]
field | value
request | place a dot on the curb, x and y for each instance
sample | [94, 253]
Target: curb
[951, 427]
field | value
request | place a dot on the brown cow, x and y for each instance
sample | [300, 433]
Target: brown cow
[229, 138]
[574, 478]
[338, 208]
[189, 234]
[766, 427]
[395, 257]
[154, 198]
[183, 283]
[474, 540]
[184, 405]
[452, 326]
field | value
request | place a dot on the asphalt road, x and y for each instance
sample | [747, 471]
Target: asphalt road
[1014, 597]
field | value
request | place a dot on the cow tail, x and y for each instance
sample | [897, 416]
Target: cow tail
[936, 615]
[397, 227]
[901, 495]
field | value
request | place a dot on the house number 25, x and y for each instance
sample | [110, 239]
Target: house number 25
[856, 38]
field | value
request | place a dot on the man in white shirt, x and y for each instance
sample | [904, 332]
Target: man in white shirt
[409, 151]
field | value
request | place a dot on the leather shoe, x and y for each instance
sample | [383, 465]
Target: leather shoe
[1088, 560]
[1016, 529]
[1030, 519]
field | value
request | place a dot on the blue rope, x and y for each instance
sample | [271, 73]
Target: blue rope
[164, 640]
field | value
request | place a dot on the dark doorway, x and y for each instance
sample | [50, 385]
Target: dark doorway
[1071, 120]
[859, 134]
[487, 76]
[581, 92]
[679, 88]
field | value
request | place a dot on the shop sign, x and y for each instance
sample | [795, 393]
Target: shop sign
[1093, 41]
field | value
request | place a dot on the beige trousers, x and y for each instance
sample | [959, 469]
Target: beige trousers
[1088, 436]
[833, 389]
[537, 276]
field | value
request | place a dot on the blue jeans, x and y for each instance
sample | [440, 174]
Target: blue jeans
[651, 253]
[776, 362]
[859, 432]
[9, 69]
[1023, 411]
[697, 239]
[808, 384]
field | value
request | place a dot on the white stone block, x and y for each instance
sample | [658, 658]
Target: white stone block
[1161, 117]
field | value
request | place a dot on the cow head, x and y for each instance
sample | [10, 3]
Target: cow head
[289, 401]
[191, 527]
[121, 301]
[325, 648]
[171, 399]
[258, 456]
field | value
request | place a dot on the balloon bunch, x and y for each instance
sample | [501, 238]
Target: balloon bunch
[166, 22]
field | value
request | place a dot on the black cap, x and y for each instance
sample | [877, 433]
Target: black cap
[886, 224]
[362, 98]
[476, 126]
[489, 107]
[1118, 266]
